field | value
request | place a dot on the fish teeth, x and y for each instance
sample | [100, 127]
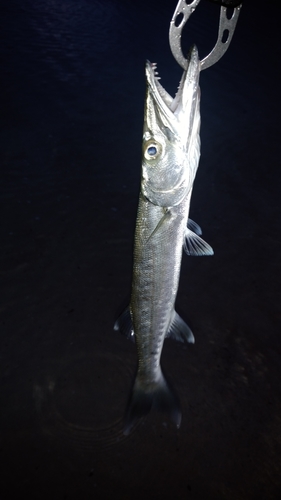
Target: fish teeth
[154, 67]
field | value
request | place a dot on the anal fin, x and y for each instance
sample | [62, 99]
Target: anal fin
[179, 330]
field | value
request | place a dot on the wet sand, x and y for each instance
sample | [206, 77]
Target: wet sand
[72, 114]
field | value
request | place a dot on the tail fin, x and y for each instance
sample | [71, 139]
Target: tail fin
[159, 395]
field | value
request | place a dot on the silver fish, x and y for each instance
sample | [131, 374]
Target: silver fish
[171, 151]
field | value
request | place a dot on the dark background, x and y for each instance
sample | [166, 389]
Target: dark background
[72, 94]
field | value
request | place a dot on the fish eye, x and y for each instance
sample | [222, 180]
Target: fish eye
[152, 150]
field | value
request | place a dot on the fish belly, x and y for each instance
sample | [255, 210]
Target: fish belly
[159, 239]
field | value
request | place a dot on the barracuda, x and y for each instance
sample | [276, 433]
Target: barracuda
[171, 151]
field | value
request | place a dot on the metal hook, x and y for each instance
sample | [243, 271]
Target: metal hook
[226, 28]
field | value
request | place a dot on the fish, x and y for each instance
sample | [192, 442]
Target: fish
[170, 157]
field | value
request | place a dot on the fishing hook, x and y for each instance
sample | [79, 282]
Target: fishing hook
[226, 29]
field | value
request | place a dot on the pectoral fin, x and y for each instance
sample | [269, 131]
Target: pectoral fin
[167, 215]
[194, 245]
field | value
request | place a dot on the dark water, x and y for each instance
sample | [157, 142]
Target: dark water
[72, 92]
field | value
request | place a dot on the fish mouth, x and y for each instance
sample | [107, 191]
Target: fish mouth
[188, 86]
[174, 124]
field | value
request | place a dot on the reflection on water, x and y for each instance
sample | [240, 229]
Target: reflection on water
[71, 41]
[61, 39]
[81, 403]
[71, 35]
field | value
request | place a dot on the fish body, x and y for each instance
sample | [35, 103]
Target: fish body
[171, 151]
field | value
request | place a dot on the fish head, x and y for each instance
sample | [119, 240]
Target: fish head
[171, 142]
